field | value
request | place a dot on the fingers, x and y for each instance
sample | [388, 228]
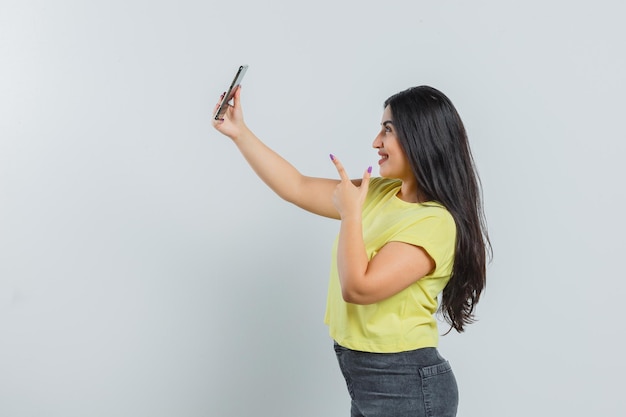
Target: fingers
[344, 175]
[216, 107]
[236, 98]
[365, 183]
[340, 169]
[234, 110]
[228, 108]
[367, 174]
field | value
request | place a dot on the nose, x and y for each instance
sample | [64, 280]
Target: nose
[378, 143]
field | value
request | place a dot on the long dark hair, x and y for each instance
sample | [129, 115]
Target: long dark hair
[434, 140]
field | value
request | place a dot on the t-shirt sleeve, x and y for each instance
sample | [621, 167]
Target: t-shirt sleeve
[436, 234]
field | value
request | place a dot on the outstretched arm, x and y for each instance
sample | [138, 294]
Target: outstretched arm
[310, 193]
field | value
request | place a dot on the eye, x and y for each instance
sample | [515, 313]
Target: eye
[385, 128]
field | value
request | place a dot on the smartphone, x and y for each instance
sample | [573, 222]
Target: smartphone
[231, 91]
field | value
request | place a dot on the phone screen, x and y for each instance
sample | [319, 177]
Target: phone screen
[231, 91]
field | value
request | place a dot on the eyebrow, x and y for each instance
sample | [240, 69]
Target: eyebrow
[386, 122]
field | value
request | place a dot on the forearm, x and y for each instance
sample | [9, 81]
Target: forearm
[309, 193]
[282, 177]
[352, 259]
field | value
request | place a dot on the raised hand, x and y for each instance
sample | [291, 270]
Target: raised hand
[349, 198]
[231, 124]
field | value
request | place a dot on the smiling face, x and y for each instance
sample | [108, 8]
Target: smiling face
[393, 161]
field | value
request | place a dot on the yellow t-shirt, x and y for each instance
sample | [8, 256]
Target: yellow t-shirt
[405, 320]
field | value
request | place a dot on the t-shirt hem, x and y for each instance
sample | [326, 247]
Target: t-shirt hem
[368, 346]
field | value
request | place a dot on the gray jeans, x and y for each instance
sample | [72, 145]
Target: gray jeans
[417, 383]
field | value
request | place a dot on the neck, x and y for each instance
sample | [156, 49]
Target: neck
[410, 193]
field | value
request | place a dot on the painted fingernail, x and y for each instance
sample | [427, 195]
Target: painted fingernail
[332, 157]
[369, 170]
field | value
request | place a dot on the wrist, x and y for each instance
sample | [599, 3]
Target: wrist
[352, 216]
[242, 134]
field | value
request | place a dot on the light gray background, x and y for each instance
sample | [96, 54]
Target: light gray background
[145, 270]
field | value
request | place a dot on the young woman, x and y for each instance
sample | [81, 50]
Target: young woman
[406, 237]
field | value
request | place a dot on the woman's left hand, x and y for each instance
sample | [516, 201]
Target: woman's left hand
[348, 198]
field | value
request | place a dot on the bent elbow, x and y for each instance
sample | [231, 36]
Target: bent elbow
[354, 297]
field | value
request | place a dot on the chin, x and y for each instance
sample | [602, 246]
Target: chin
[386, 174]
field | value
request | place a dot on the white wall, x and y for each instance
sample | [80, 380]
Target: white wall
[145, 271]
